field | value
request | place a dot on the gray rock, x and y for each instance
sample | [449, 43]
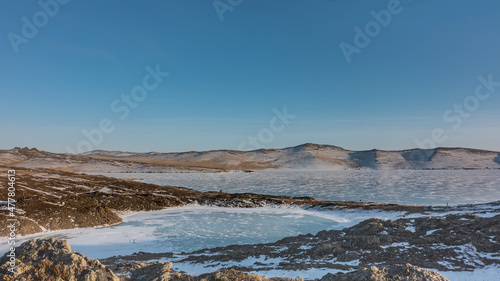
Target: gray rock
[404, 272]
[346, 257]
[51, 259]
[160, 271]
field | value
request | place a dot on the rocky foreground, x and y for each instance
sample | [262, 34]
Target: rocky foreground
[50, 259]
[453, 242]
[450, 243]
[374, 249]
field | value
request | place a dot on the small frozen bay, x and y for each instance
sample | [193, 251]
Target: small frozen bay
[193, 228]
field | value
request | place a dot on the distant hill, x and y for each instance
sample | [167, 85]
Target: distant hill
[305, 156]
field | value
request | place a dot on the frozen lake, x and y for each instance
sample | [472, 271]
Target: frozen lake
[421, 187]
[196, 227]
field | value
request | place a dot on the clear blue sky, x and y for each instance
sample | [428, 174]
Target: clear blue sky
[226, 76]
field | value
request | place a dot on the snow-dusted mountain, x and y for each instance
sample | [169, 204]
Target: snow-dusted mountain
[306, 156]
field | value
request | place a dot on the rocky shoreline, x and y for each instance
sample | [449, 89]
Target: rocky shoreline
[51, 259]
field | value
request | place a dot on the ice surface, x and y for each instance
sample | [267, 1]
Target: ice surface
[431, 231]
[197, 227]
[488, 273]
[410, 228]
[421, 187]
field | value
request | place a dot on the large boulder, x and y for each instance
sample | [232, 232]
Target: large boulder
[51, 259]
[158, 271]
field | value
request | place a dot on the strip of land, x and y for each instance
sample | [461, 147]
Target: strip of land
[305, 156]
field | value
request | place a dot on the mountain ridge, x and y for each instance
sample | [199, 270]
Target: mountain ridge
[304, 145]
[304, 156]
